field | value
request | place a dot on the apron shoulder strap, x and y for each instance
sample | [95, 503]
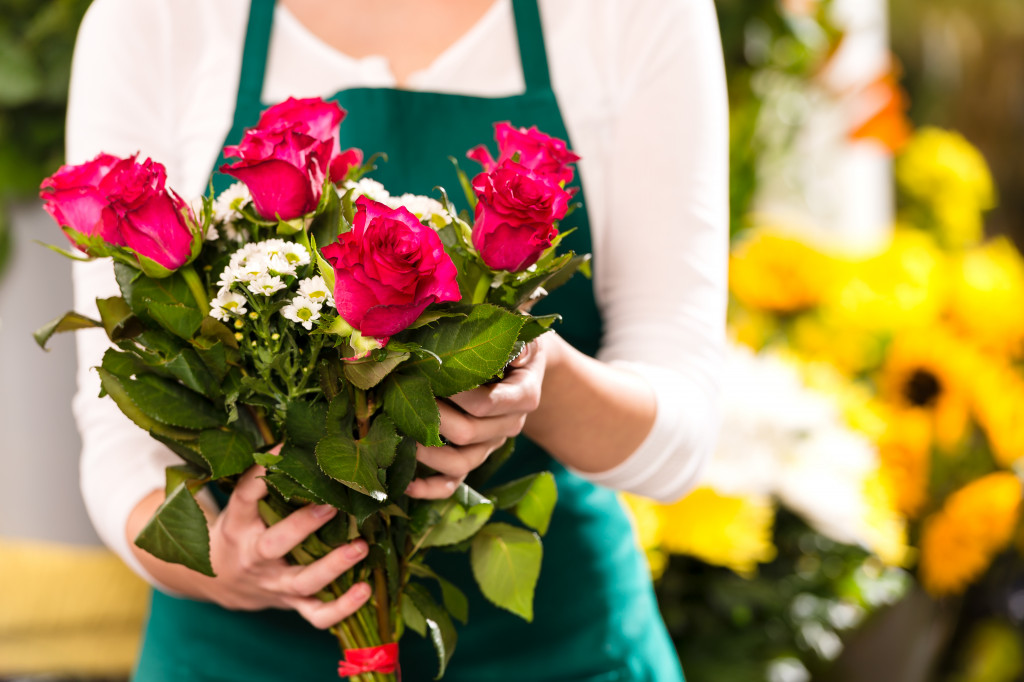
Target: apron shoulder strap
[532, 52]
[254, 58]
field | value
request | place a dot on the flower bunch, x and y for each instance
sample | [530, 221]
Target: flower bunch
[314, 311]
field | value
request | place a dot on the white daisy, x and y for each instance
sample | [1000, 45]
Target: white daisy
[229, 275]
[266, 284]
[303, 311]
[227, 303]
[422, 207]
[315, 289]
[226, 206]
[371, 189]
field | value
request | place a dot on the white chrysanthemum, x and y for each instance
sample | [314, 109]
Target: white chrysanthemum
[229, 275]
[303, 311]
[226, 206]
[422, 207]
[279, 264]
[266, 284]
[227, 303]
[212, 234]
[371, 189]
[315, 289]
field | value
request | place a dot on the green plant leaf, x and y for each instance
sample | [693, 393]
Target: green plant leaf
[472, 350]
[410, 402]
[187, 450]
[179, 319]
[454, 599]
[449, 522]
[118, 319]
[68, 322]
[229, 452]
[114, 387]
[140, 291]
[442, 631]
[367, 373]
[190, 369]
[190, 475]
[305, 422]
[170, 403]
[531, 498]
[535, 326]
[403, 469]
[355, 462]
[301, 465]
[506, 565]
[288, 488]
[412, 617]
[177, 532]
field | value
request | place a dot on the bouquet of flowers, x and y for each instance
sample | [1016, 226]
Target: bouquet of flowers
[308, 321]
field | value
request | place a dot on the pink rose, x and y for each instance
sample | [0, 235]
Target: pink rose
[73, 198]
[319, 119]
[388, 269]
[283, 168]
[515, 214]
[150, 220]
[543, 154]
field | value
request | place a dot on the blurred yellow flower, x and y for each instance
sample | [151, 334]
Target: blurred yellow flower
[772, 271]
[735, 532]
[823, 336]
[931, 370]
[959, 541]
[986, 296]
[885, 530]
[905, 454]
[903, 286]
[997, 398]
[945, 174]
[648, 520]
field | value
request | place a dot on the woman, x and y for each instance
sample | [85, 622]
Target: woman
[641, 88]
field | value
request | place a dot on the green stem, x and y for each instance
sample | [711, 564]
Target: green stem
[195, 285]
[483, 285]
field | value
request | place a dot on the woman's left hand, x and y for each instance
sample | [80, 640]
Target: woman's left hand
[476, 423]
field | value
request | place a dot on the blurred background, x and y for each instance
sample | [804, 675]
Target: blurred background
[862, 519]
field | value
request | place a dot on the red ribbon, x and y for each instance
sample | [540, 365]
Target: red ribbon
[374, 659]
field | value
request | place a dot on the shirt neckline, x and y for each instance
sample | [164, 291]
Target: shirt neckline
[379, 65]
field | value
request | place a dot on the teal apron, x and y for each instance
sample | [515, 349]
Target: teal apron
[596, 618]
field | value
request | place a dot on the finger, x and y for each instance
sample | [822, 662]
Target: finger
[465, 429]
[525, 356]
[241, 511]
[433, 488]
[326, 614]
[519, 391]
[457, 462]
[283, 536]
[306, 581]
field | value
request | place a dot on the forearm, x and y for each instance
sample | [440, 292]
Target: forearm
[592, 415]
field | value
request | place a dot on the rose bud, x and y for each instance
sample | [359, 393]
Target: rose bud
[515, 214]
[318, 119]
[151, 220]
[541, 153]
[73, 198]
[284, 170]
[388, 269]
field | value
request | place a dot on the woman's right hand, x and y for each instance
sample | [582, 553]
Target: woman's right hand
[248, 558]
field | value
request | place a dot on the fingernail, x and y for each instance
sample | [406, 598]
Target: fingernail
[356, 549]
[322, 510]
[364, 590]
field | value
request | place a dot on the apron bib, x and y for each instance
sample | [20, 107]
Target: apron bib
[596, 618]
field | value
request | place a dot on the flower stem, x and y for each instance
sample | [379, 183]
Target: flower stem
[483, 285]
[195, 285]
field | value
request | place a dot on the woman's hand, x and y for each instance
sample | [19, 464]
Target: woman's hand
[248, 558]
[476, 423]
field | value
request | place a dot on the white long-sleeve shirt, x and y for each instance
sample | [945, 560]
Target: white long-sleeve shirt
[642, 90]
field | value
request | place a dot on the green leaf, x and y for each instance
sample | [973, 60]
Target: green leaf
[301, 465]
[229, 452]
[367, 373]
[140, 291]
[288, 488]
[177, 532]
[189, 368]
[68, 322]
[431, 315]
[449, 522]
[118, 319]
[170, 403]
[322, 266]
[412, 617]
[355, 462]
[188, 474]
[453, 598]
[410, 402]
[115, 388]
[506, 565]
[532, 499]
[215, 329]
[179, 319]
[472, 350]
[266, 459]
[442, 631]
[403, 469]
[214, 356]
[305, 422]
[535, 326]
[187, 450]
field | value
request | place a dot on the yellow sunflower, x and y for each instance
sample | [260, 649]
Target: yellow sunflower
[997, 399]
[648, 518]
[986, 294]
[959, 541]
[772, 271]
[930, 369]
[904, 453]
[735, 532]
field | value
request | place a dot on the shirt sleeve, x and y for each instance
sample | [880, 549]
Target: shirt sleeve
[116, 105]
[662, 283]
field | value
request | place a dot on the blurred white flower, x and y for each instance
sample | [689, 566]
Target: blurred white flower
[371, 189]
[266, 284]
[303, 311]
[228, 203]
[227, 303]
[315, 289]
